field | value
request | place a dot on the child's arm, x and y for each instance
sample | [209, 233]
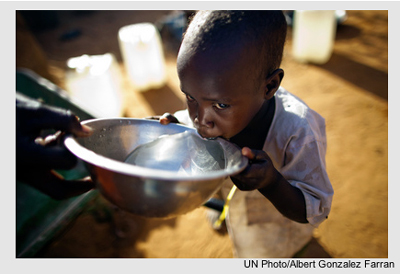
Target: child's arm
[288, 199]
[262, 175]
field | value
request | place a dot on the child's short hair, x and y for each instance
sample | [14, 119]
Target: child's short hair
[266, 28]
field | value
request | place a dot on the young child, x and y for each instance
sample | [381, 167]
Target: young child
[228, 66]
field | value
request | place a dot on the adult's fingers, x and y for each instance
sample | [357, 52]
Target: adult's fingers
[32, 154]
[60, 119]
[49, 140]
[33, 116]
[52, 184]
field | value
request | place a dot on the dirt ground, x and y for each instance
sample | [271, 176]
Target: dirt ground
[350, 92]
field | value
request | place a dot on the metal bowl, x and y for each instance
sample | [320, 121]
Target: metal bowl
[150, 190]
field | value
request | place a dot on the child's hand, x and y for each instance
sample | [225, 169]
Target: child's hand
[260, 172]
[165, 119]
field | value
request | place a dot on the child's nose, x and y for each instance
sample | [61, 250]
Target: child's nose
[204, 118]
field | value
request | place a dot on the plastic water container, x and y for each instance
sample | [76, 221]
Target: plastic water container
[143, 55]
[314, 34]
[95, 81]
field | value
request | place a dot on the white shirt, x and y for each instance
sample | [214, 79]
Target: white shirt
[296, 144]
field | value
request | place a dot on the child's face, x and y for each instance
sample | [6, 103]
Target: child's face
[221, 91]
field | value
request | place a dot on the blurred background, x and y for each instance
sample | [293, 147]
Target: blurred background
[88, 55]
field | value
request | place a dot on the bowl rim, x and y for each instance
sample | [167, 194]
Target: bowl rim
[104, 162]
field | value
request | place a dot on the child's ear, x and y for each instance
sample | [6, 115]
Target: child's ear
[272, 83]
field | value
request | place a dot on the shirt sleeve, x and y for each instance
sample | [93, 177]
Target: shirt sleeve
[305, 168]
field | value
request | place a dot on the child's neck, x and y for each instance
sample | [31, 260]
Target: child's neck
[254, 135]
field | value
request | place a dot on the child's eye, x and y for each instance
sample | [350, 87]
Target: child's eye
[221, 106]
[189, 98]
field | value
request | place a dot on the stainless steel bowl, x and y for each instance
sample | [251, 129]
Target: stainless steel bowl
[150, 191]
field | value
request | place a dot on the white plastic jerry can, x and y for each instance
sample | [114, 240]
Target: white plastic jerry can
[95, 81]
[314, 34]
[143, 55]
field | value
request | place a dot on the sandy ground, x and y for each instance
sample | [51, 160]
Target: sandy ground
[350, 92]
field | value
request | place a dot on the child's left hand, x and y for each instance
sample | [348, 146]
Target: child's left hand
[260, 172]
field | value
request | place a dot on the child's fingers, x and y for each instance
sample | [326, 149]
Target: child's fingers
[156, 117]
[167, 118]
[164, 121]
[253, 155]
[247, 152]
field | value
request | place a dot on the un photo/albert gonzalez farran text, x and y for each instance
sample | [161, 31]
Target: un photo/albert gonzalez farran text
[318, 264]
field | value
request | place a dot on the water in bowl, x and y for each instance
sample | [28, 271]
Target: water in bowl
[184, 153]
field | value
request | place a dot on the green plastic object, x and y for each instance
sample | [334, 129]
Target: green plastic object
[39, 218]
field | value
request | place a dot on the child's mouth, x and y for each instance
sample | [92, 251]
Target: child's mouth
[211, 137]
[204, 133]
[205, 136]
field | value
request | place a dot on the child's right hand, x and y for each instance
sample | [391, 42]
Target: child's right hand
[165, 119]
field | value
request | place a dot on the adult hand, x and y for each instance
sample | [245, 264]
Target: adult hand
[38, 156]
